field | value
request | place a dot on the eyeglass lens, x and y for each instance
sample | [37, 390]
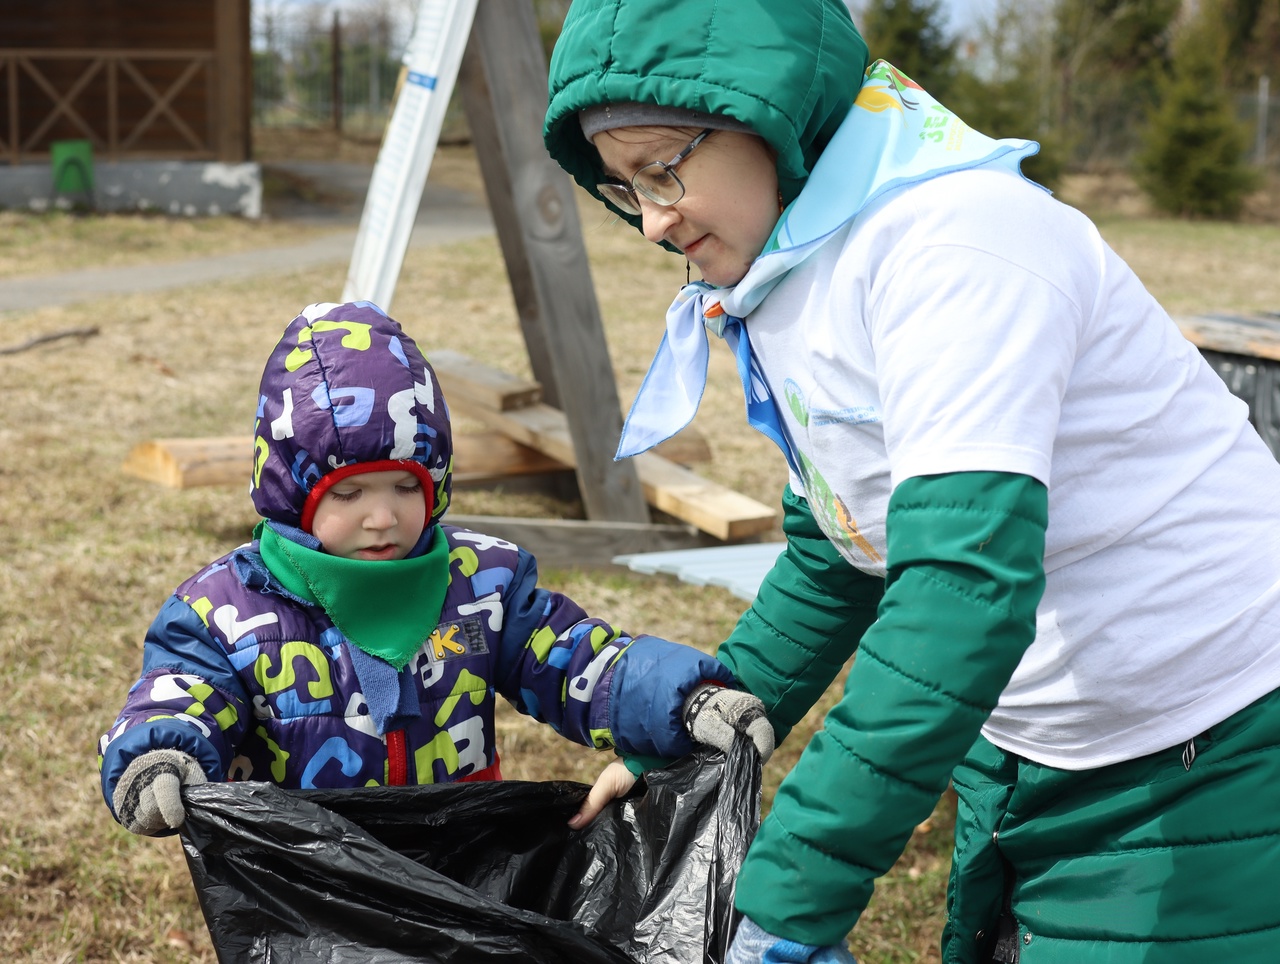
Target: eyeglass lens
[656, 181]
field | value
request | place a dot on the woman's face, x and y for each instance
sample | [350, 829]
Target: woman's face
[730, 202]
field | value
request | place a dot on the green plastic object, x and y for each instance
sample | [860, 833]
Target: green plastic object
[72, 166]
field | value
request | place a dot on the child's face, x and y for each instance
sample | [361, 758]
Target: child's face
[371, 515]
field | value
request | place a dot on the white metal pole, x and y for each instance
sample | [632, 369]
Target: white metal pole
[440, 34]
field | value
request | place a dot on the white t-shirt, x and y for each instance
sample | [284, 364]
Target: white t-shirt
[973, 323]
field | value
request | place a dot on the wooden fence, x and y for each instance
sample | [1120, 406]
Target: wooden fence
[127, 103]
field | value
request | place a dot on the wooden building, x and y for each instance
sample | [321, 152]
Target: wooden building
[156, 80]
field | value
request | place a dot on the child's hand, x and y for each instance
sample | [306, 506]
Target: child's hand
[714, 714]
[614, 781]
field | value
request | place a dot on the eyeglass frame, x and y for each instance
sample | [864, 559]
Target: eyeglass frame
[627, 198]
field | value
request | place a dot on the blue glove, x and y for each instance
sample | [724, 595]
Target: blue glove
[752, 944]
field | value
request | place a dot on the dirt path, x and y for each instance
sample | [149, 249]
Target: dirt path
[324, 194]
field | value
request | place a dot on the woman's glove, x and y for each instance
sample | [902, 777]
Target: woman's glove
[148, 798]
[752, 944]
[713, 714]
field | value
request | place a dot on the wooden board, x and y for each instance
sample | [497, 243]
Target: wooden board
[672, 488]
[572, 543]
[184, 463]
[1255, 335]
[528, 441]
[467, 382]
[469, 385]
[524, 438]
[503, 82]
[711, 507]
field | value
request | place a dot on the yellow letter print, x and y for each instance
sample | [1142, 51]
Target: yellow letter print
[318, 688]
[356, 339]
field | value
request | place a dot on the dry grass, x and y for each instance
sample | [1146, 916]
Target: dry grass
[45, 244]
[1191, 266]
[89, 554]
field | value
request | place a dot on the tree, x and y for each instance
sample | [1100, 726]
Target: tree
[1253, 39]
[1003, 86]
[911, 36]
[1109, 57]
[1193, 157]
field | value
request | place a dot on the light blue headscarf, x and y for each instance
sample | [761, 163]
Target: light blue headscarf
[895, 135]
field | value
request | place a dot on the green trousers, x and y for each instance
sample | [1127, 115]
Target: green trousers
[1173, 858]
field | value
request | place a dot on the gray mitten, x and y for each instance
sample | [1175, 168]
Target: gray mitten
[148, 798]
[713, 714]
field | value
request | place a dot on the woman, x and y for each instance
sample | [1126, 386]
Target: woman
[1038, 515]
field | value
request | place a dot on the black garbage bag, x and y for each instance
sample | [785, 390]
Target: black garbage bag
[476, 872]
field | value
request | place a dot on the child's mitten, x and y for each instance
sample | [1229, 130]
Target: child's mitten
[148, 798]
[714, 713]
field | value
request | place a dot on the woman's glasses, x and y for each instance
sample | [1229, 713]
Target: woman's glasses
[657, 182]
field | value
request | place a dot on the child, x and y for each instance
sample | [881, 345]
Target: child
[358, 641]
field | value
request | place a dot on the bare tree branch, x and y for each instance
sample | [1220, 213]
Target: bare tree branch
[52, 336]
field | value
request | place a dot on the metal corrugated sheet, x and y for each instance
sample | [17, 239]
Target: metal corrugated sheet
[738, 568]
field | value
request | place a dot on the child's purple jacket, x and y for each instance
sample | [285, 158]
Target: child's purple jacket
[257, 684]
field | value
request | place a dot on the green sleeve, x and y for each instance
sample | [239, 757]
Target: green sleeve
[638, 764]
[965, 575]
[804, 624]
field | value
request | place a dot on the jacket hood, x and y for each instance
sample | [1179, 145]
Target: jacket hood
[345, 385]
[788, 69]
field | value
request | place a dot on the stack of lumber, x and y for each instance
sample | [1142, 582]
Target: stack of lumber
[522, 437]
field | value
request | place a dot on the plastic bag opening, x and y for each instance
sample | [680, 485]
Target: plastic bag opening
[472, 872]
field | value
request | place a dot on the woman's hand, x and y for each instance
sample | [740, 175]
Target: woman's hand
[614, 781]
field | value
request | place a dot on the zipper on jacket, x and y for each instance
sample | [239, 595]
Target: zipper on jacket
[397, 759]
[1006, 950]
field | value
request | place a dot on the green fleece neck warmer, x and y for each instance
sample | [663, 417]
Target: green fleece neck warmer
[387, 609]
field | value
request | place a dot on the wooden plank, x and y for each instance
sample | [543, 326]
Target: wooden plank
[1256, 335]
[466, 381]
[686, 448]
[184, 463]
[711, 507]
[231, 88]
[491, 457]
[504, 82]
[473, 86]
[538, 426]
[469, 384]
[571, 543]
[529, 441]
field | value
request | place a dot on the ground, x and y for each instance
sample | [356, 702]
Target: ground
[89, 553]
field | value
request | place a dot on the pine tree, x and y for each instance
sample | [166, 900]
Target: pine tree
[1109, 57]
[1253, 39]
[1193, 158]
[911, 35]
[1003, 87]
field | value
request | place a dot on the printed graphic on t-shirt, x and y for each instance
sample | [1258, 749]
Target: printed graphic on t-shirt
[828, 508]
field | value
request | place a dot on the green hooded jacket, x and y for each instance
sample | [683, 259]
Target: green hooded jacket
[789, 71]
